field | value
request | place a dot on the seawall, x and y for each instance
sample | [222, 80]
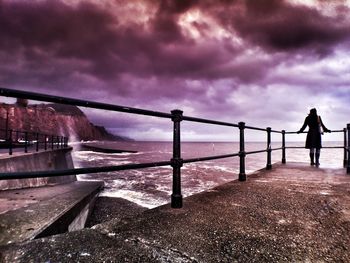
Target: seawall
[39, 207]
[29, 162]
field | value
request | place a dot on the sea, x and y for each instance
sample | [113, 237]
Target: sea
[152, 187]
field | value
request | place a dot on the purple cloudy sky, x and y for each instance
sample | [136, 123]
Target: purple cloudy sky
[263, 62]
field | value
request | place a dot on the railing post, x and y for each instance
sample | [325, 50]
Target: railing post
[52, 144]
[348, 148]
[45, 142]
[7, 124]
[58, 141]
[283, 146]
[176, 161]
[345, 162]
[25, 142]
[242, 175]
[10, 142]
[268, 164]
[37, 141]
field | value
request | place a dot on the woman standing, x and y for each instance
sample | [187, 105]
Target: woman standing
[313, 138]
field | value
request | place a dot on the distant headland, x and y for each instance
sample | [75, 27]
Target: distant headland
[57, 119]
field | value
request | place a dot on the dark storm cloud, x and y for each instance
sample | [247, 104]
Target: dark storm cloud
[88, 33]
[51, 24]
[275, 24]
[88, 50]
[50, 42]
[50, 34]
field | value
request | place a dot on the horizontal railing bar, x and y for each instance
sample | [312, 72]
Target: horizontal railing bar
[253, 152]
[194, 119]
[261, 151]
[255, 128]
[275, 131]
[277, 149]
[333, 147]
[192, 160]
[306, 131]
[88, 170]
[328, 147]
[77, 102]
[294, 132]
[31, 132]
[261, 129]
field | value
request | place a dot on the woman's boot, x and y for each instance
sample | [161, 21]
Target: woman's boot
[317, 159]
[312, 158]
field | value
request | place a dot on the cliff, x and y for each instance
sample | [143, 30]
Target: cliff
[53, 119]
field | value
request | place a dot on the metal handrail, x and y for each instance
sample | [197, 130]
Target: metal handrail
[208, 158]
[207, 121]
[254, 152]
[83, 103]
[75, 171]
[32, 138]
[327, 147]
[176, 162]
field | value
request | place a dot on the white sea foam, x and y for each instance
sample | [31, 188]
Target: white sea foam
[142, 199]
[128, 154]
[164, 188]
[84, 177]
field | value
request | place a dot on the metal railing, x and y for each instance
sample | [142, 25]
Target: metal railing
[346, 146]
[35, 141]
[176, 116]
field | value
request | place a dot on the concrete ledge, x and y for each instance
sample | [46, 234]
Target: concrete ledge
[29, 213]
[36, 161]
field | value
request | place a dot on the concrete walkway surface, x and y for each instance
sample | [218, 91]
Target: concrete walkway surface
[31, 212]
[292, 213]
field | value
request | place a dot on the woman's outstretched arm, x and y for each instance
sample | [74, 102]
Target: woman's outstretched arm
[304, 126]
[324, 127]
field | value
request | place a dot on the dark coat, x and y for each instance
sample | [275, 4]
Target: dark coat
[313, 138]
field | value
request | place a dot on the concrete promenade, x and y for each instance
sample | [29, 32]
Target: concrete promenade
[293, 213]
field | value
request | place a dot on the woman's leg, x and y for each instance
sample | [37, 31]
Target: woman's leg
[312, 153]
[318, 151]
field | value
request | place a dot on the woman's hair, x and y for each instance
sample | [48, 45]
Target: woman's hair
[313, 116]
[313, 112]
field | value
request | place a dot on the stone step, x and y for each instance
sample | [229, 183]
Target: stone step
[29, 213]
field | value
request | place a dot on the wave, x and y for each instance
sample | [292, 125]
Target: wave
[140, 198]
